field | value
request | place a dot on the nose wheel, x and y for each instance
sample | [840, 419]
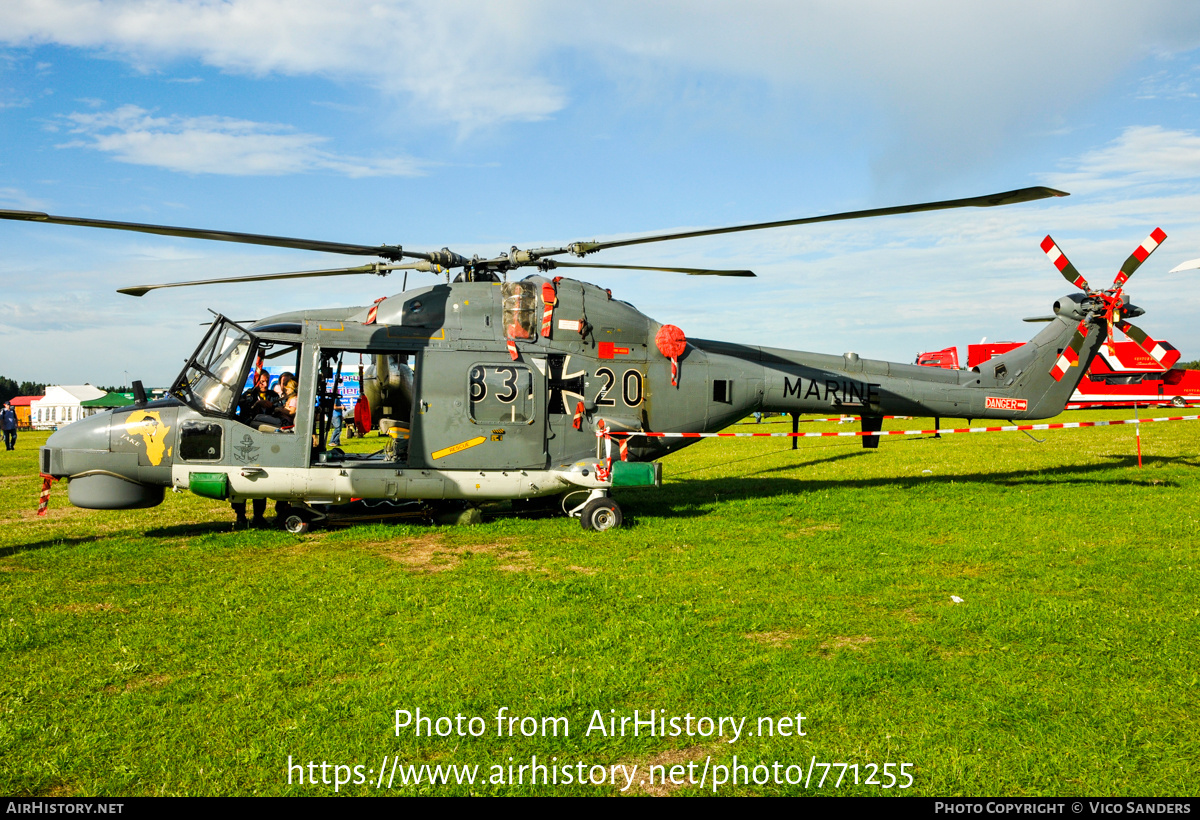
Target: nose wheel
[301, 518]
[295, 525]
[598, 513]
[601, 514]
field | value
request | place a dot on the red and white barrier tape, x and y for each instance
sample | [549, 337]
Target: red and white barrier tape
[947, 431]
[44, 499]
[838, 419]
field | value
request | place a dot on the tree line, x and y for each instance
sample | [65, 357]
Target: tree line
[10, 389]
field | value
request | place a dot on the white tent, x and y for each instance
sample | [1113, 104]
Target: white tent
[61, 405]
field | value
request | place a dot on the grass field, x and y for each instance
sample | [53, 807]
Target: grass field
[160, 652]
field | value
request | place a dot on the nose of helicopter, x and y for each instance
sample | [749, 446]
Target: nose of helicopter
[101, 459]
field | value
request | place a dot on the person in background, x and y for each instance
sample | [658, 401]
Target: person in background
[8, 423]
[335, 439]
[239, 512]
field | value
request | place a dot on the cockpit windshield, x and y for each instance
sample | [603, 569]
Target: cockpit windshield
[212, 380]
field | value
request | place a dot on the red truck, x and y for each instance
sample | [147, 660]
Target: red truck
[1122, 380]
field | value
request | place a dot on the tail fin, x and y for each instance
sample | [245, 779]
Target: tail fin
[1043, 373]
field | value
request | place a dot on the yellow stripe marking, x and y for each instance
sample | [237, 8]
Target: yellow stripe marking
[458, 448]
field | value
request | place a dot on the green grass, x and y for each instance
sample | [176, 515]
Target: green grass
[159, 652]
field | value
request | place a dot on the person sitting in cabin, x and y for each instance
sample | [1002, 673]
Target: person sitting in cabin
[260, 405]
[288, 387]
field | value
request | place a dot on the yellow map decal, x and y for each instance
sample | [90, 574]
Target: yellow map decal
[458, 448]
[148, 425]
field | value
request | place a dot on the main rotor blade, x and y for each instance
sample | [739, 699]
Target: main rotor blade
[375, 267]
[688, 271]
[392, 252]
[991, 200]
[1191, 264]
[1140, 254]
[1060, 261]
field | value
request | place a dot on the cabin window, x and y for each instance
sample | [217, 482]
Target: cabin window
[723, 391]
[200, 441]
[501, 393]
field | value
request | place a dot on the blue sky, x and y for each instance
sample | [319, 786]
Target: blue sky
[483, 125]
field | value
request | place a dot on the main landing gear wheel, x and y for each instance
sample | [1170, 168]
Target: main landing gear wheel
[600, 514]
[1178, 401]
[295, 525]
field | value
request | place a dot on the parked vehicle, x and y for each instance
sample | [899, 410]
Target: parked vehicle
[1122, 377]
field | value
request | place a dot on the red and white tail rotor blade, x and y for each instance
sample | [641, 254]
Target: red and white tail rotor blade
[1154, 349]
[1070, 356]
[1140, 254]
[1060, 261]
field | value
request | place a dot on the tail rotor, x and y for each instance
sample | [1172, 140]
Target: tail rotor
[1105, 305]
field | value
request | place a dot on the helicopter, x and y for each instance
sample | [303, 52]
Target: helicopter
[490, 388]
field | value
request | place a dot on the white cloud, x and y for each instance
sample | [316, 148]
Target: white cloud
[73, 311]
[15, 198]
[1165, 85]
[959, 77]
[953, 84]
[219, 145]
[468, 63]
[1141, 155]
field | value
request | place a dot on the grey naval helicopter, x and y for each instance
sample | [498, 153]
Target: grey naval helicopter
[490, 388]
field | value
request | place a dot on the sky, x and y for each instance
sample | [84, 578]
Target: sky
[482, 125]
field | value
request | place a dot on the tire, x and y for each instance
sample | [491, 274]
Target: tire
[295, 525]
[600, 515]
[1178, 401]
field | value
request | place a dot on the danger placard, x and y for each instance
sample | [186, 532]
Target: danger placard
[997, 403]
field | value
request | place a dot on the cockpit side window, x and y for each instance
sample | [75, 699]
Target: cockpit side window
[212, 379]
